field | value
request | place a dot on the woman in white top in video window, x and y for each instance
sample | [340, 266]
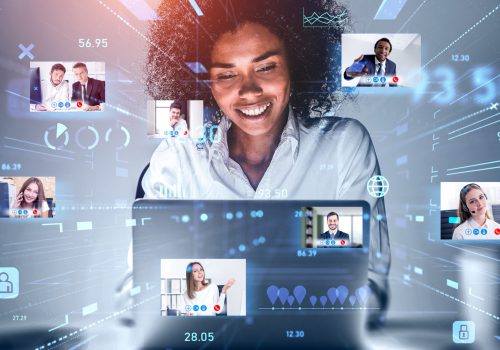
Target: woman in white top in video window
[475, 221]
[202, 298]
[270, 92]
[30, 200]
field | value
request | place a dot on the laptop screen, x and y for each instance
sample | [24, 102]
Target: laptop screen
[300, 264]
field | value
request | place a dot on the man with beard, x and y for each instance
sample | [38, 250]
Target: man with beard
[57, 89]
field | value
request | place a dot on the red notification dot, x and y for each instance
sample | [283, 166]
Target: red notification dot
[497, 231]
[35, 211]
[217, 307]
[185, 132]
[79, 104]
[395, 79]
[342, 242]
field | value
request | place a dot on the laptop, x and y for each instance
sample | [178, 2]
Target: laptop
[285, 295]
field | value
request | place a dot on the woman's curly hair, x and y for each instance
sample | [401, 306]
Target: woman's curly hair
[180, 36]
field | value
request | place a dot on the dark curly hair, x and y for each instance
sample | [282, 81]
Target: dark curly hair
[180, 36]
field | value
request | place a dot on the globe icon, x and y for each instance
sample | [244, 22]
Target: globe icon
[377, 186]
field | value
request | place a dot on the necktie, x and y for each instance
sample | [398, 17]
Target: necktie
[85, 99]
[379, 69]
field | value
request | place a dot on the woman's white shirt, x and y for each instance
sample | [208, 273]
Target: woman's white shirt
[205, 300]
[470, 229]
[332, 160]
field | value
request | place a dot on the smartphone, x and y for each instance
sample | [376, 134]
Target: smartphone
[356, 67]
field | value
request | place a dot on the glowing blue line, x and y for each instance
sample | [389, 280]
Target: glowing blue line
[454, 137]
[460, 37]
[389, 9]
[470, 92]
[13, 93]
[62, 325]
[412, 15]
[33, 143]
[456, 299]
[196, 7]
[482, 120]
[472, 171]
[48, 154]
[470, 251]
[473, 165]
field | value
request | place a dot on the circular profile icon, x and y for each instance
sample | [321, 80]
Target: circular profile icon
[79, 104]
[377, 186]
[375, 79]
[196, 307]
[476, 231]
[484, 231]
[395, 79]
[217, 307]
[188, 308]
[468, 231]
[203, 308]
[497, 231]
[383, 80]
[342, 242]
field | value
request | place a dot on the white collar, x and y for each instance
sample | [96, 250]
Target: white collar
[473, 223]
[377, 62]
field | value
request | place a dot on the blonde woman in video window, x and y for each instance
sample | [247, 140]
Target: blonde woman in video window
[202, 298]
[475, 221]
[31, 200]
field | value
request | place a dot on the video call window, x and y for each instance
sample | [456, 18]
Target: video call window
[27, 197]
[381, 60]
[67, 86]
[203, 287]
[332, 227]
[175, 119]
[470, 211]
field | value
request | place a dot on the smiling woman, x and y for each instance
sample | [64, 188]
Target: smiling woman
[269, 84]
[31, 200]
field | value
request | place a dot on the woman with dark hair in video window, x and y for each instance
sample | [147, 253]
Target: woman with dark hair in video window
[269, 86]
[475, 221]
[202, 298]
[31, 200]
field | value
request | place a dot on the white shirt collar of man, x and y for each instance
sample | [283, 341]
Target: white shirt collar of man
[377, 62]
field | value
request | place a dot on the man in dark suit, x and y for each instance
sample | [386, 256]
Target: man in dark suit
[89, 91]
[333, 232]
[374, 70]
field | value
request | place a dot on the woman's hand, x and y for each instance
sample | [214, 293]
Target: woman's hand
[228, 285]
[17, 202]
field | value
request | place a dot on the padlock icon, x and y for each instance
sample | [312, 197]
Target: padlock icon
[464, 333]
